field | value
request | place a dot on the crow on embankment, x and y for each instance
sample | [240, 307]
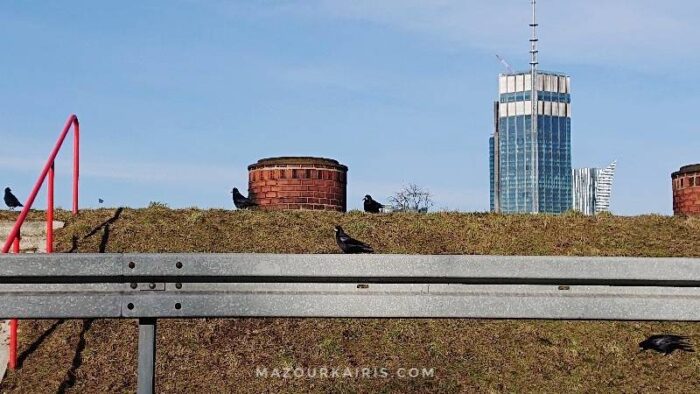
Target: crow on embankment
[666, 344]
[10, 200]
[350, 245]
[241, 201]
[371, 206]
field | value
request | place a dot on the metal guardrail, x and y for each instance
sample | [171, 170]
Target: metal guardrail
[151, 286]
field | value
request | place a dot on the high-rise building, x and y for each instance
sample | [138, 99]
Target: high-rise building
[583, 190]
[530, 156]
[592, 189]
[603, 187]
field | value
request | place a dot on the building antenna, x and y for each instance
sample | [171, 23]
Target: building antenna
[534, 39]
[534, 113]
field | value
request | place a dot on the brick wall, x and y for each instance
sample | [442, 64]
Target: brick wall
[686, 193]
[298, 183]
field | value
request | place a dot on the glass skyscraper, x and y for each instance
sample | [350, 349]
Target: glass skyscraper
[530, 149]
[530, 165]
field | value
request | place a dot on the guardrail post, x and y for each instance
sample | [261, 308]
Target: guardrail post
[147, 356]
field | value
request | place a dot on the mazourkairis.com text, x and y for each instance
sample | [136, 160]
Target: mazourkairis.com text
[343, 373]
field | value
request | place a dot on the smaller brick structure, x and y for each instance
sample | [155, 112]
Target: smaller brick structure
[686, 190]
[313, 183]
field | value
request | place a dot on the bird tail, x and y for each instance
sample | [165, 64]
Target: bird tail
[686, 346]
[367, 249]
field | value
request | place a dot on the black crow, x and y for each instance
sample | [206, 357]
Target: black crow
[666, 344]
[10, 200]
[241, 201]
[101, 201]
[349, 244]
[371, 206]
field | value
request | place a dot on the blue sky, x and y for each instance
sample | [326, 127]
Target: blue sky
[176, 98]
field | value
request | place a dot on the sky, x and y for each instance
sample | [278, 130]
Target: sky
[176, 98]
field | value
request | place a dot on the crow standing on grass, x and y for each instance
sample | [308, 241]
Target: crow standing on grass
[371, 206]
[10, 200]
[349, 244]
[666, 344]
[241, 201]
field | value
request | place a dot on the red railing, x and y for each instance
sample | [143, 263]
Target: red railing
[13, 239]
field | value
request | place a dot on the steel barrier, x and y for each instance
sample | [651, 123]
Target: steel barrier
[152, 286]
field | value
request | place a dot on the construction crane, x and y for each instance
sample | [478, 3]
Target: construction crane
[505, 64]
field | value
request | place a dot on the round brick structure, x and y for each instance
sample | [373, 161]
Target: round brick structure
[686, 190]
[298, 183]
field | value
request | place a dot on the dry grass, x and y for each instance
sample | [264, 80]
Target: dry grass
[208, 355]
[193, 230]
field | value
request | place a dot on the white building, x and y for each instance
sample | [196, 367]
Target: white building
[592, 189]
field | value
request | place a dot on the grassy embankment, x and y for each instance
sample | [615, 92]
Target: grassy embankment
[209, 355]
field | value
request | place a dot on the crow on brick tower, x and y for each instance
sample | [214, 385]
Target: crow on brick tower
[372, 206]
[241, 201]
[350, 245]
[10, 200]
[666, 344]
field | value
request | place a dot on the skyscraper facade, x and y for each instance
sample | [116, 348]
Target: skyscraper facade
[592, 189]
[603, 187]
[583, 190]
[530, 164]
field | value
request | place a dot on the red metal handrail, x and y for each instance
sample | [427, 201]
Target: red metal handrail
[13, 239]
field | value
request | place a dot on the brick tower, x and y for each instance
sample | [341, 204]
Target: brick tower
[313, 183]
[686, 190]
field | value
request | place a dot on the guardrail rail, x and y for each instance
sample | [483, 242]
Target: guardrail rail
[152, 286]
